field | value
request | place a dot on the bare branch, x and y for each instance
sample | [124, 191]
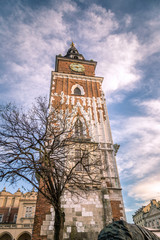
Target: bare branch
[40, 146]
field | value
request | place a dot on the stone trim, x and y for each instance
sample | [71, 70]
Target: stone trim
[77, 77]
[77, 86]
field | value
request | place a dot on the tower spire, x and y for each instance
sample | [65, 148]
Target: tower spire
[73, 53]
[72, 44]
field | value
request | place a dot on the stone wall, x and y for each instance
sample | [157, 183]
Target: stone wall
[85, 215]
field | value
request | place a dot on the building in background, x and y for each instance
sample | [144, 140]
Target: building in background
[74, 85]
[148, 216]
[17, 212]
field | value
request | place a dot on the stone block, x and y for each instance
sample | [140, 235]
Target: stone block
[106, 196]
[80, 229]
[87, 214]
[51, 227]
[50, 237]
[78, 213]
[92, 222]
[48, 217]
[44, 228]
[51, 223]
[79, 224]
[68, 229]
[46, 223]
[51, 209]
[43, 232]
[99, 206]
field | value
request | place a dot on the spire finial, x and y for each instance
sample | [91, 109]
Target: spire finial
[72, 44]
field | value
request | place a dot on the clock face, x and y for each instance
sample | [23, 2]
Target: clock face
[77, 67]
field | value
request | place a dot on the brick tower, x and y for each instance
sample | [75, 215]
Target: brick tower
[75, 84]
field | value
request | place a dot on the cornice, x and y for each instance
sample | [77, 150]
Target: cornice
[90, 62]
[77, 77]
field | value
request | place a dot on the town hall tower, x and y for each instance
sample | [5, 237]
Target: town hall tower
[75, 84]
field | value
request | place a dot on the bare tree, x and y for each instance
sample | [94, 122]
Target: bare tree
[43, 147]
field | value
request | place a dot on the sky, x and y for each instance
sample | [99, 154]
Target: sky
[123, 36]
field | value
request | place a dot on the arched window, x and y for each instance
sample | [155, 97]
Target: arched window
[77, 91]
[78, 128]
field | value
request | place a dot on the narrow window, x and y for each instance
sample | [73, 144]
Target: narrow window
[15, 218]
[28, 212]
[78, 159]
[86, 160]
[77, 91]
[1, 217]
[78, 128]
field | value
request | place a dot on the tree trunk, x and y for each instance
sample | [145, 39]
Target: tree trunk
[59, 224]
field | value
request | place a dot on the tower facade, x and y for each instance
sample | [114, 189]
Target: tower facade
[74, 85]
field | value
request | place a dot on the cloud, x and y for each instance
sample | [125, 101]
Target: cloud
[116, 98]
[138, 157]
[119, 62]
[127, 20]
[151, 44]
[29, 49]
[151, 107]
[148, 188]
[31, 39]
[141, 139]
[97, 23]
[117, 53]
[129, 210]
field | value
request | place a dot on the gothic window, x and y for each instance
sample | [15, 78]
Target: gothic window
[78, 128]
[28, 212]
[77, 91]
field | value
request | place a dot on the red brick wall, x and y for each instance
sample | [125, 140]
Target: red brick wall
[63, 66]
[92, 89]
[116, 209]
[42, 208]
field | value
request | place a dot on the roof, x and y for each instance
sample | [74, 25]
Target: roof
[73, 53]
